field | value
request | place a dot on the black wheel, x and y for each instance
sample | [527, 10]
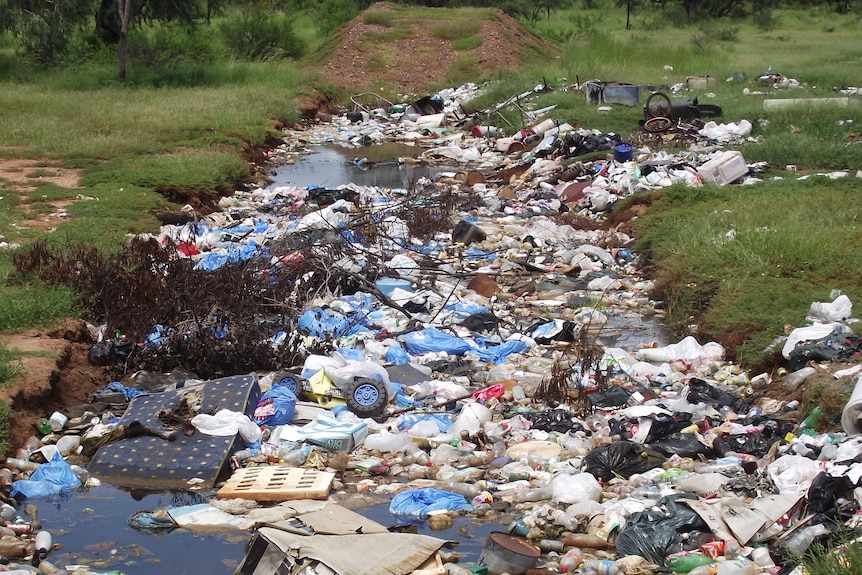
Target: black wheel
[291, 380]
[367, 397]
[658, 124]
[658, 105]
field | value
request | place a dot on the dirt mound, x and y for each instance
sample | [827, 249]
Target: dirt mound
[414, 50]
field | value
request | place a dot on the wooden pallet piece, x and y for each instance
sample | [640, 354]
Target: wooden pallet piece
[277, 483]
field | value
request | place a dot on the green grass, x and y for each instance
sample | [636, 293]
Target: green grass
[10, 365]
[456, 30]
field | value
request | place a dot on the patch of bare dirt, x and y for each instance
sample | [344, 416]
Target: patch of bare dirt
[362, 61]
[21, 176]
[55, 374]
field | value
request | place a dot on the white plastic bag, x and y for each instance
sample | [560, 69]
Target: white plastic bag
[575, 488]
[227, 422]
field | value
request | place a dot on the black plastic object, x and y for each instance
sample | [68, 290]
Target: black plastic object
[557, 420]
[110, 352]
[656, 532]
[615, 395]
[682, 444]
[481, 322]
[756, 444]
[825, 490]
[466, 233]
[621, 459]
[366, 397]
[702, 391]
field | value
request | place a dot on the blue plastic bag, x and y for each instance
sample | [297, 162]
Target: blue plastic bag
[432, 339]
[276, 406]
[53, 478]
[421, 502]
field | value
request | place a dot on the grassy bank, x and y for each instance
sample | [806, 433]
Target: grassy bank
[143, 145]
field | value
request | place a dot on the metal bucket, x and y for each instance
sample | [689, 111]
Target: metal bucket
[504, 553]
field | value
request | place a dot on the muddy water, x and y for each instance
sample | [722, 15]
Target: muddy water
[91, 526]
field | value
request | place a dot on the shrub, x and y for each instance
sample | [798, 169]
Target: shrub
[259, 36]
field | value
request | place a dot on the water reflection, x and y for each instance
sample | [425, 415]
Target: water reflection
[332, 166]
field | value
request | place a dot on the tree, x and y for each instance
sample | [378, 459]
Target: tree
[630, 6]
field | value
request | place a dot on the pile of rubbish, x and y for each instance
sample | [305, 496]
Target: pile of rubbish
[453, 348]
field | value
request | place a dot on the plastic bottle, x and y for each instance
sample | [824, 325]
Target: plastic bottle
[738, 566]
[518, 394]
[685, 563]
[44, 543]
[536, 494]
[468, 490]
[571, 560]
[601, 567]
[44, 426]
[800, 541]
[565, 520]
[797, 378]
[732, 549]
[810, 423]
[22, 464]
[50, 569]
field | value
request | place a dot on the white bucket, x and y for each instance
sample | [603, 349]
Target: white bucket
[58, 421]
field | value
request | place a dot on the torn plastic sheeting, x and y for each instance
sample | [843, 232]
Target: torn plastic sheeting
[203, 517]
[53, 478]
[272, 551]
[421, 502]
[432, 339]
[218, 258]
[323, 324]
[441, 421]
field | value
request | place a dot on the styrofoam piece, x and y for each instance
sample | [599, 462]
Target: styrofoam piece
[725, 168]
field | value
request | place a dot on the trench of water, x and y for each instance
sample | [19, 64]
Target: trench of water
[91, 526]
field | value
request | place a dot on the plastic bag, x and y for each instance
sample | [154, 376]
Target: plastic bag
[421, 502]
[575, 488]
[227, 423]
[682, 444]
[275, 407]
[700, 391]
[825, 489]
[53, 478]
[620, 459]
[656, 531]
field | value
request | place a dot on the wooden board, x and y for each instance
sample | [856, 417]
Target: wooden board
[277, 483]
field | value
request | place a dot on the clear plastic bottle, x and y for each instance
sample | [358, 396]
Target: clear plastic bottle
[571, 560]
[535, 494]
[468, 490]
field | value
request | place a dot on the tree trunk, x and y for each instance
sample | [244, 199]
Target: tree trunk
[124, 7]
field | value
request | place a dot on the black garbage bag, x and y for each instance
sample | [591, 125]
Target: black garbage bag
[703, 391]
[665, 425]
[621, 459]
[481, 322]
[825, 490]
[110, 352]
[558, 420]
[614, 396]
[656, 532]
[682, 444]
[756, 444]
[546, 332]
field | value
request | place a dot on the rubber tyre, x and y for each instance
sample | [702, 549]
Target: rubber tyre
[658, 124]
[291, 380]
[665, 106]
[367, 397]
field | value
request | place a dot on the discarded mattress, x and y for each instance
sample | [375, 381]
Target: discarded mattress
[151, 462]
[274, 552]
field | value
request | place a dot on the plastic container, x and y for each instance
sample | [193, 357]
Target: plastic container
[798, 377]
[58, 421]
[388, 285]
[685, 563]
[570, 561]
[537, 494]
[623, 152]
[44, 542]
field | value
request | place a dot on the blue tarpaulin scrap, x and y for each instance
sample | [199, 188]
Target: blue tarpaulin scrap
[432, 339]
[421, 502]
